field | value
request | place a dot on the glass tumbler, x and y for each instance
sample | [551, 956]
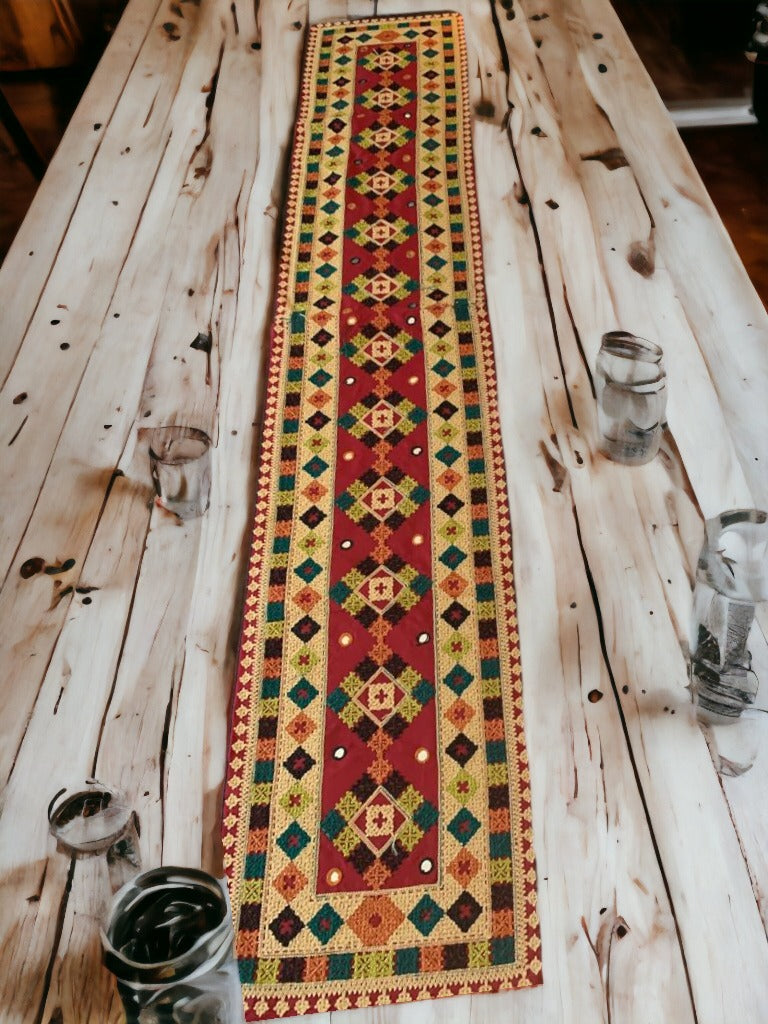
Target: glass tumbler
[92, 820]
[731, 578]
[180, 462]
[169, 943]
[630, 384]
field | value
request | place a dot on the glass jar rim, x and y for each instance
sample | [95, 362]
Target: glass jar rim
[210, 947]
[176, 432]
[625, 345]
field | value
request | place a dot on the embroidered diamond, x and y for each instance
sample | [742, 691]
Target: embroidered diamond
[299, 763]
[375, 286]
[426, 914]
[286, 926]
[378, 821]
[464, 867]
[382, 499]
[463, 826]
[381, 696]
[325, 923]
[293, 840]
[464, 911]
[380, 589]
[290, 882]
[375, 920]
[391, 417]
[389, 348]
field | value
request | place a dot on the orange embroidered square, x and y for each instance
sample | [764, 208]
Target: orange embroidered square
[431, 958]
[502, 922]
[265, 750]
[494, 730]
[257, 840]
[272, 667]
[316, 968]
[499, 821]
[489, 648]
[247, 944]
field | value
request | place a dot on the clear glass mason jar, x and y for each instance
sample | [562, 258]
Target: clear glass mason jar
[169, 944]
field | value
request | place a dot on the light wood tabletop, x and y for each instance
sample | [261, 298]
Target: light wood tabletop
[159, 220]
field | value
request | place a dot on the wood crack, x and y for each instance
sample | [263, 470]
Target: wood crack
[124, 637]
[579, 343]
[210, 99]
[59, 930]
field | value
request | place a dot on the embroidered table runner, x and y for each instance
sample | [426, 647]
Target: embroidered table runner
[377, 823]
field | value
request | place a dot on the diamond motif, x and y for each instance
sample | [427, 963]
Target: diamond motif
[455, 614]
[388, 349]
[300, 727]
[462, 787]
[374, 233]
[386, 182]
[303, 693]
[290, 882]
[385, 98]
[460, 713]
[293, 840]
[371, 590]
[463, 827]
[391, 417]
[295, 800]
[464, 867]
[461, 749]
[325, 923]
[299, 763]
[380, 589]
[378, 821]
[305, 628]
[382, 499]
[458, 679]
[426, 914]
[388, 499]
[381, 696]
[375, 920]
[375, 286]
[286, 926]
[464, 911]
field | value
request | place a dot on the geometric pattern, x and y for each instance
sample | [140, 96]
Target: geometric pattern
[377, 823]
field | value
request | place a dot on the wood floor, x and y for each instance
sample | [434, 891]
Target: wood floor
[693, 52]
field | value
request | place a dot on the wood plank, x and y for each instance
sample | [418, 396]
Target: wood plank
[101, 423]
[338, 10]
[241, 192]
[721, 305]
[613, 502]
[59, 748]
[75, 304]
[28, 263]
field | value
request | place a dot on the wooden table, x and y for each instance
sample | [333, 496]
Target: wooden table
[159, 220]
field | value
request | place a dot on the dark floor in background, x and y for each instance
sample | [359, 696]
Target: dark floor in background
[693, 51]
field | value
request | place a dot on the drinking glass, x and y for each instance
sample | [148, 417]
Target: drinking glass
[630, 384]
[169, 943]
[180, 461]
[731, 578]
[92, 820]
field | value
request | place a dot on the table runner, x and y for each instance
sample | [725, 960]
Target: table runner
[377, 823]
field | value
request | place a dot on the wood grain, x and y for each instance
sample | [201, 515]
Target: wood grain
[652, 870]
